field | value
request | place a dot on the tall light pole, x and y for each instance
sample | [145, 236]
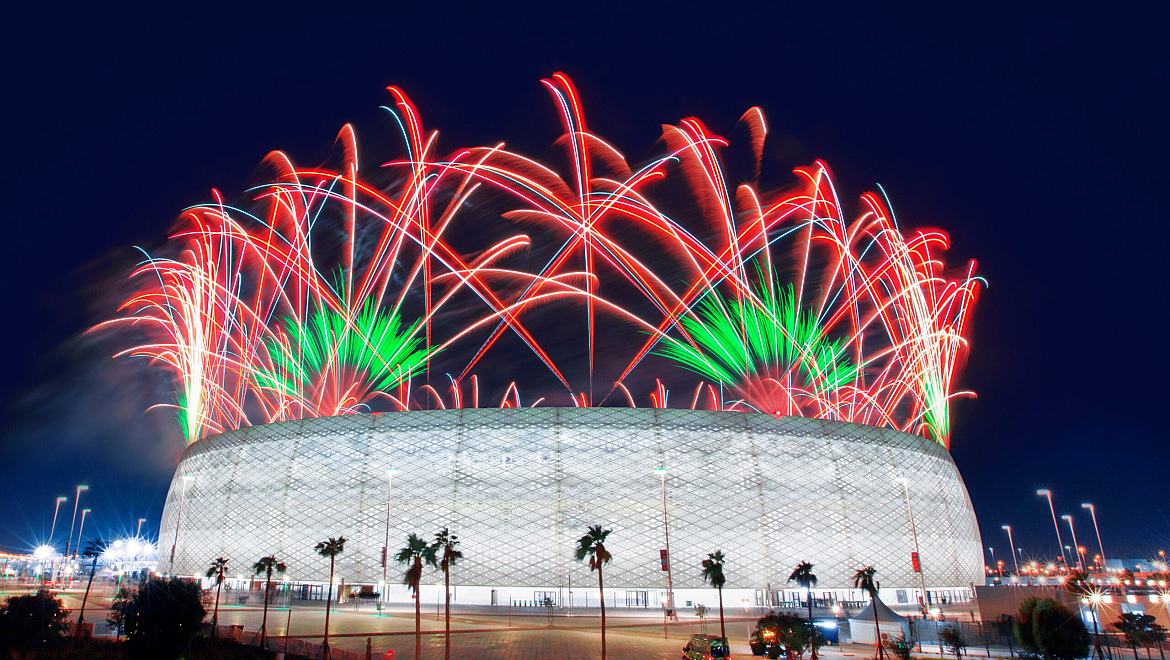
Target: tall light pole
[1093, 512]
[53, 528]
[992, 551]
[79, 528]
[1067, 518]
[1012, 549]
[390, 472]
[917, 564]
[1095, 597]
[1044, 492]
[178, 519]
[138, 534]
[666, 531]
[69, 545]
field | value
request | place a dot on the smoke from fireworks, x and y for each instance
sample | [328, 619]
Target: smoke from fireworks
[775, 299]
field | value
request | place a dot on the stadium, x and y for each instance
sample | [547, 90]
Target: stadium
[520, 486]
[326, 335]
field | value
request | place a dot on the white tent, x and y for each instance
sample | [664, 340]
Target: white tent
[891, 624]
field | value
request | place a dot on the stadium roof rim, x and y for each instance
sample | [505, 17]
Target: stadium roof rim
[800, 426]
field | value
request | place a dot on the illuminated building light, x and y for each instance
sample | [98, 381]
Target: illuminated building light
[498, 476]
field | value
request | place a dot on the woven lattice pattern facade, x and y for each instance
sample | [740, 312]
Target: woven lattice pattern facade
[519, 486]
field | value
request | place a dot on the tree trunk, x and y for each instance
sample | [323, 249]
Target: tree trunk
[81, 617]
[601, 589]
[418, 612]
[877, 630]
[811, 628]
[215, 616]
[264, 621]
[722, 628]
[447, 614]
[328, 599]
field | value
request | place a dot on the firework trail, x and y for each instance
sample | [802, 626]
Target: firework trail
[774, 298]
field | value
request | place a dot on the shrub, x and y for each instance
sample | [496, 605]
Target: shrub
[1140, 630]
[161, 618]
[1048, 629]
[30, 621]
[793, 634]
[901, 648]
[953, 639]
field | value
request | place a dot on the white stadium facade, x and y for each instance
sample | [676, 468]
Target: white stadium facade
[520, 486]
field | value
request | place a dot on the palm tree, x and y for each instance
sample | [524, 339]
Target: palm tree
[413, 554]
[217, 570]
[592, 545]
[265, 566]
[713, 574]
[804, 576]
[330, 549]
[442, 554]
[95, 549]
[863, 579]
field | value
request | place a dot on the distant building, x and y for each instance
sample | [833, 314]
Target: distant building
[1135, 565]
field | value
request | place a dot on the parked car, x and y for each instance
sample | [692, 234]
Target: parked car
[706, 647]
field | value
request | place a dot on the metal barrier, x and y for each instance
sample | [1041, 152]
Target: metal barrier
[978, 634]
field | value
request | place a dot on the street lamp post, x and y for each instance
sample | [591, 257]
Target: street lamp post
[69, 544]
[1075, 546]
[79, 528]
[1095, 598]
[52, 530]
[1012, 549]
[390, 472]
[914, 533]
[1044, 492]
[666, 531]
[1165, 598]
[138, 534]
[992, 551]
[178, 519]
[74, 521]
[1093, 512]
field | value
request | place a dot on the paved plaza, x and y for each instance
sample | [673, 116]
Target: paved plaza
[479, 632]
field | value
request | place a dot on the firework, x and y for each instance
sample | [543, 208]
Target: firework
[326, 293]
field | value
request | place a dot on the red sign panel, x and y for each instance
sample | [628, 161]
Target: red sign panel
[914, 560]
[665, 560]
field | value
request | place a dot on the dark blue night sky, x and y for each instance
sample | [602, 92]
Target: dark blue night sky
[1035, 137]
